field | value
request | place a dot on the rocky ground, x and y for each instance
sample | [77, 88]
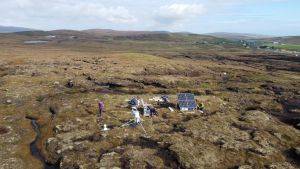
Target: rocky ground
[251, 118]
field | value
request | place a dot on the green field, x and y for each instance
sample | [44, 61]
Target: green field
[290, 47]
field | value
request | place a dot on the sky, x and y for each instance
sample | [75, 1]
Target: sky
[268, 17]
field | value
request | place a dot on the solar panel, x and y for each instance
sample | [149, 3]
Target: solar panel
[188, 104]
[187, 100]
[186, 96]
[190, 97]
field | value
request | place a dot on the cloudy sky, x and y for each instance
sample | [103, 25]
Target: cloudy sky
[272, 17]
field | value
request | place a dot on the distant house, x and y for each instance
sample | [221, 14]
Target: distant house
[251, 43]
[50, 37]
[73, 37]
[186, 102]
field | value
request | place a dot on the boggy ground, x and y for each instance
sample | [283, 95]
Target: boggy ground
[251, 118]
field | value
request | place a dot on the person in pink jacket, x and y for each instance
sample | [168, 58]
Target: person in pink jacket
[101, 108]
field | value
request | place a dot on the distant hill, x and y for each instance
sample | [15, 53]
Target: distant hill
[12, 29]
[97, 33]
[148, 35]
[110, 32]
[105, 34]
[59, 33]
[238, 36]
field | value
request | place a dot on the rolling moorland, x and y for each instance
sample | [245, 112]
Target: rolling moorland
[51, 82]
[13, 29]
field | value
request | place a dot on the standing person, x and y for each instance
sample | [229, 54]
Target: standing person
[101, 108]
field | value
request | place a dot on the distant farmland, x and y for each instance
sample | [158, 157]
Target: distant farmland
[289, 47]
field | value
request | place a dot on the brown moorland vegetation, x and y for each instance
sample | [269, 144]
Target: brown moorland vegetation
[251, 100]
